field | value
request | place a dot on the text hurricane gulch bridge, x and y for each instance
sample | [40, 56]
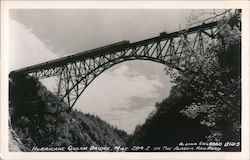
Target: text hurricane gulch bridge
[77, 71]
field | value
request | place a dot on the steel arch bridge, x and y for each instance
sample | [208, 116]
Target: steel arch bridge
[77, 71]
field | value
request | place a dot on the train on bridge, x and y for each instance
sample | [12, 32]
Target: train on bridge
[86, 54]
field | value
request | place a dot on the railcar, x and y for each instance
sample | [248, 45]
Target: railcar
[74, 57]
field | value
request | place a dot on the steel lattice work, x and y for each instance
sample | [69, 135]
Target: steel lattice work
[77, 71]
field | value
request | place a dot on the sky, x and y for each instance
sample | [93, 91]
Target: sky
[123, 95]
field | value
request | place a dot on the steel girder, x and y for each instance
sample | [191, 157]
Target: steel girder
[175, 52]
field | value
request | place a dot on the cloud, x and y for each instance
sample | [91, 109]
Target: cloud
[25, 48]
[128, 120]
[136, 104]
[119, 86]
[121, 96]
[77, 30]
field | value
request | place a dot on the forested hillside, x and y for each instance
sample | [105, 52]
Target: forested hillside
[36, 122]
[205, 103]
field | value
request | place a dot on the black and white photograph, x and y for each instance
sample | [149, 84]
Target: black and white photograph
[125, 80]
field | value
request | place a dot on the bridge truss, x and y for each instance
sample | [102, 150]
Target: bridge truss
[77, 71]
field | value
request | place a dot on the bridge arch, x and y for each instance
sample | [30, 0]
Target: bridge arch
[76, 72]
[91, 76]
[76, 76]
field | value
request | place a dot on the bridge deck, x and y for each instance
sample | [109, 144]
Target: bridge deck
[113, 47]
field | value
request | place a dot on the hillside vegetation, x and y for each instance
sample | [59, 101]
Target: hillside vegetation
[205, 103]
[35, 122]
